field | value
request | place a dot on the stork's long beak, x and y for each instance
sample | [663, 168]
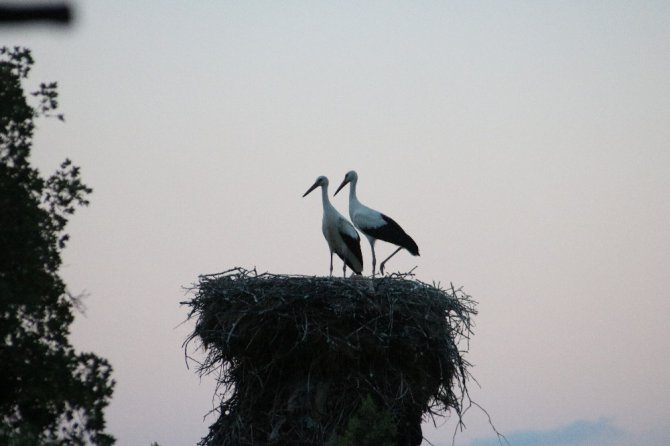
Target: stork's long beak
[344, 183]
[314, 186]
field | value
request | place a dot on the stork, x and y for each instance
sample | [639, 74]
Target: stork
[375, 225]
[342, 237]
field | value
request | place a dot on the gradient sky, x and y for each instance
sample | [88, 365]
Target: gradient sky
[524, 145]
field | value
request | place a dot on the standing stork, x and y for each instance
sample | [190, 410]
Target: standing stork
[342, 237]
[375, 225]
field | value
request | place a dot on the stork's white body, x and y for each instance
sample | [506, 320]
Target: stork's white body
[375, 225]
[341, 236]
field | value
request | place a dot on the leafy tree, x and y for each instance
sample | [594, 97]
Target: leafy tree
[49, 394]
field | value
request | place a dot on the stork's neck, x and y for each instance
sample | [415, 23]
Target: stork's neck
[324, 199]
[352, 193]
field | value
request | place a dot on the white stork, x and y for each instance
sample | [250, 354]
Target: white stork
[342, 237]
[375, 225]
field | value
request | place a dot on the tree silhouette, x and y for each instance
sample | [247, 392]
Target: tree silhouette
[49, 394]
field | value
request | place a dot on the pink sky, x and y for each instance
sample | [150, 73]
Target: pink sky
[523, 145]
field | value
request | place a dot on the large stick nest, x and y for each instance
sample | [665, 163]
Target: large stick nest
[296, 355]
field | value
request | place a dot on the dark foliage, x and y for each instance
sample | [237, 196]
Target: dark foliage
[49, 394]
[368, 426]
[296, 356]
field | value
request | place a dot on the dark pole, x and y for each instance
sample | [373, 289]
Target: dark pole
[59, 13]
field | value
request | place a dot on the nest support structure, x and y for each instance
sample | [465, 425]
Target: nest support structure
[294, 356]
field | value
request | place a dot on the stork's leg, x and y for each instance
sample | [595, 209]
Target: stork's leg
[344, 269]
[381, 267]
[374, 258]
[331, 264]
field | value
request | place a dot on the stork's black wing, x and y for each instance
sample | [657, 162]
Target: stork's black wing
[392, 232]
[354, 245]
